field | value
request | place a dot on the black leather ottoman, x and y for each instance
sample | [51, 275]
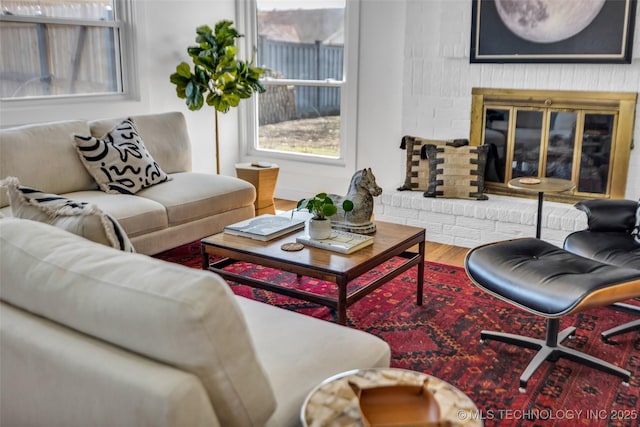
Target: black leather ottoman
[550, 282]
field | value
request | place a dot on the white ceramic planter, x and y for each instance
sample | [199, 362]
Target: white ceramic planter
[319, 228]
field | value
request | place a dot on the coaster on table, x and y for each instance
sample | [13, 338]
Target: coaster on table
[529, 181]
[292, 247]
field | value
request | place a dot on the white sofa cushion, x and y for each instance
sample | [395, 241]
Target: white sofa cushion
[27, 152]
[119, 161]
[137, 215]
[291, 342]
[81, 218]
[180, 316]
[191, 196]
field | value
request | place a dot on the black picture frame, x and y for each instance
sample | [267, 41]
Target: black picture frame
[608, 38]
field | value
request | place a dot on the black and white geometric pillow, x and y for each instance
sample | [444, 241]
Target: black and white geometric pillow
[119, 161]
[81, 218]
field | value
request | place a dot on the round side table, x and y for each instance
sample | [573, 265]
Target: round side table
[540, 185]
[264, 179]
[333, 403]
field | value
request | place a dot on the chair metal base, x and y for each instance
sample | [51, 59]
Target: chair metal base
[634, 325]
[551, 349]
[622, 329]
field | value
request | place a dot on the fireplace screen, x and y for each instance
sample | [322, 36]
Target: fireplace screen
[552, 135]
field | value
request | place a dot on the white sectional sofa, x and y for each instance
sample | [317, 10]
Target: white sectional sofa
[186, 208]
[94, 336]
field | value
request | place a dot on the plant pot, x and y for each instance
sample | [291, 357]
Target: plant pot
[319, 228]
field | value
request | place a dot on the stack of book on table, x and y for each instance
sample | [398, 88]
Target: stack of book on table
[340, 241]
[267, 227]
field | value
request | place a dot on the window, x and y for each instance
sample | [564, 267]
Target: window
[62, 48]
[303, 46]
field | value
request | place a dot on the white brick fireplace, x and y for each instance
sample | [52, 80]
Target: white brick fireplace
[436, 104]
[438, 77]
[469, 223]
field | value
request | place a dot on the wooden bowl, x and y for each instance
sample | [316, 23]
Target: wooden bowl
[398, 405]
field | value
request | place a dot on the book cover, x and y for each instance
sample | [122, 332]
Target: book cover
[266, 227]
[340, 241]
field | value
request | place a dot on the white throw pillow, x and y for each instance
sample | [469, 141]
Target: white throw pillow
[81, 218]
[119, 161]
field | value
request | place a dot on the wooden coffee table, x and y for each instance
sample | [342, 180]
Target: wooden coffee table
[391, 240]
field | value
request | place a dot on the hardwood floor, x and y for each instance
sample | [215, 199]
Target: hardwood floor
[434, 252]
[445, 254]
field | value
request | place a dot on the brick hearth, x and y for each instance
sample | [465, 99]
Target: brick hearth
[469, 223]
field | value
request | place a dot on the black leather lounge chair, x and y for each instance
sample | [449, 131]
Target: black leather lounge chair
[550, 282]
[609, 239]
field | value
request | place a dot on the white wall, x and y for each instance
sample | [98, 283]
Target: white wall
[438, 76]
[414, 78]
[378, 115]
[170, 28]
[164, 29]
[380, 84]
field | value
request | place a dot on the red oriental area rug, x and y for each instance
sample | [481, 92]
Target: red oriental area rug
[441, 338]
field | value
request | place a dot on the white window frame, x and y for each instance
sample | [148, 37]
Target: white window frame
[248, 111]
[125, 56]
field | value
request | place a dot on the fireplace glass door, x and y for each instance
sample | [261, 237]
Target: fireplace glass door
[595, 153]
[546, 142]
[526, 143]
[582, 136]
[561, 144]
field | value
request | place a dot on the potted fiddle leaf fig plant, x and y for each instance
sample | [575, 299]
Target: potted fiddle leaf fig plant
[322, 207]
[218, 78]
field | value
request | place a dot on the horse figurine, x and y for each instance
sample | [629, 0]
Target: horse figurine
[362, 190]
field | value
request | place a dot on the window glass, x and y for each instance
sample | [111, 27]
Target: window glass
[74, 9]
[314, 134]
[302, 45]
[66, 47]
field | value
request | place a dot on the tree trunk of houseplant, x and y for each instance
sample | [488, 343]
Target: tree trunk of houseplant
[217, 145]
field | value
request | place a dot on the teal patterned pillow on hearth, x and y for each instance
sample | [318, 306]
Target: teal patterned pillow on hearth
[119, 161]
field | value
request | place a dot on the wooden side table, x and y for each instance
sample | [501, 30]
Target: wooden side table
[264, 180]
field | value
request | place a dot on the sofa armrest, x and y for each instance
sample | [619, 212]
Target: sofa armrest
[52, 375]
[609, 215]
[180, 316]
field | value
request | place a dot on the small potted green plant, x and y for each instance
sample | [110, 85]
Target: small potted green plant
[322, 207]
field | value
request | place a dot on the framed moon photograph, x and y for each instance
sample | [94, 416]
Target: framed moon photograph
[552, 31]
